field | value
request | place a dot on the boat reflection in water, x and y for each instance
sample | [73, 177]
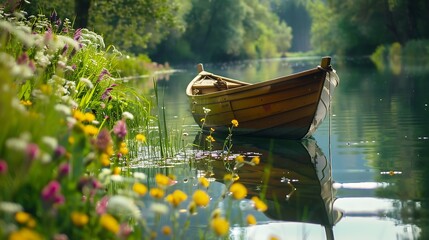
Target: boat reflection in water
[294, 177]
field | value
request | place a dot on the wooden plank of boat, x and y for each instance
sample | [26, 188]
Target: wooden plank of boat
[289, 107]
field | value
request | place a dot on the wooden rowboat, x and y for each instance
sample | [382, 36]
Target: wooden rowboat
[290, 107]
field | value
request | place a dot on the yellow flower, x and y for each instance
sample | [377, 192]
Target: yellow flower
[259, 204]
[116, 171]
[220, 226]
[46, 89]
[166, 230]
[255, 160]
[192, 207]
[238, 190]
[212, 129]
[140, 189]
[79, 219]
[24, 233]
[204, 182]
[202, 120]
[141, 138]
[234, 123]
[123, 150]
[26, 102]
[239, 158]
[110, 223]
[227, 177]
[251, 220]
[71, 140]
[90, 130]
[22, 217]
[89, 117]
[201, 198]
[274, 238]
[162, 180]
[156, 193]
[176, 197]
[210, 138]
[78, 115]
[104, 159]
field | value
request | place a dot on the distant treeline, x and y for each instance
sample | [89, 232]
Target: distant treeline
[222, 30]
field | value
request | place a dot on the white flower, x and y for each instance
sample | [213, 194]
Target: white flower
[50, 141]
[63, 109]
[127, 115]
[140, 176]
[87, 82]
[10, 207]
[45, 158]
[42, 59]
[123, 206]
[206, 110]
[159, 208]
[17, 144]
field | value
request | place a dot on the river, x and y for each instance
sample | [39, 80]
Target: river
[363, 175]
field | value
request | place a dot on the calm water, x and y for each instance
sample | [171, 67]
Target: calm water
[365, 172]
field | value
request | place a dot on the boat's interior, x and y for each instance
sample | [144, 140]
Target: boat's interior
[208, 84]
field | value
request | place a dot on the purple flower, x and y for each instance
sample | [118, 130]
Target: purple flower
[51, 193]
[59, 151]
[101, 207]
[103, 73]
[64, 169]
[120, 129]
[32, 151]
[77, 34]
[103, 140]
[23, 59]
[3, 166]
[106, 93]
[54, 16]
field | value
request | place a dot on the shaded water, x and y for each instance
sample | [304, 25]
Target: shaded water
[371, 156]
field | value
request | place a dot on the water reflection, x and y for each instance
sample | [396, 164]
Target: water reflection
[294, 177]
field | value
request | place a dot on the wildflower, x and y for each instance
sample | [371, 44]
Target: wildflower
[210, 138]
[206, 110]
[104, 159]
[139, 175]
[141, 138]
[227, 177]
[123, 206]
[116, 171]
[123, 150]
[62, 109]
[10, 207]
[24, 233]
[26, 102]
[120, 129]
[202, 120]
[124, 231]
[90, 130]
[108, 222]
[22, 217]
[103, 140]
[220, 226]
[140, 189]
[78, 115]
[201, 198]
[3, 167]
[127, 115]
[234, 123]
[166, 230]
[162, 180]
[87, 82]
[192, 208]
[239, 158]
[79, 219]
[101, 206]
[238, 191]
[255, 160]
[51, 193]
[106, 93]
[274, 238]
[204, 182]
[157, 193]
[251, 220]
[59, 151]
[63, 169]
[259, 204]
[103, 73]
[176, 197]
[159, 208]
[50, 141]
[32, 151]
[89, 117]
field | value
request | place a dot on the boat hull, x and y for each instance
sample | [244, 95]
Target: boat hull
[284, 107]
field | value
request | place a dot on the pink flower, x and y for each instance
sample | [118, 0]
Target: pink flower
[3, 166]
[103, 73]
[63, 169]
[102, 205]
[32, 151]
[104, 140]
[51, 193]
[120, 129]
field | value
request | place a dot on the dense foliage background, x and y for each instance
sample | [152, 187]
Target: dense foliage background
[221, 30]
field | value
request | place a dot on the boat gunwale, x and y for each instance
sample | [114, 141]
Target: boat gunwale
[247, 86]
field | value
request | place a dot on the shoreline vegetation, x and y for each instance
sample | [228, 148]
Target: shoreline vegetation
[71, 129]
